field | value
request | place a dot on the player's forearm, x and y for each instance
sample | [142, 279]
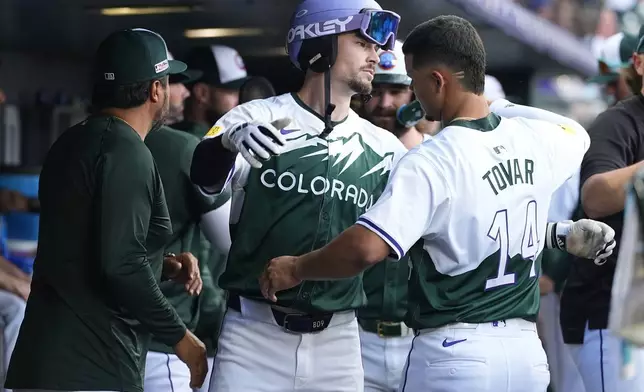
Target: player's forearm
[347, 255]
[135, 289]
[604, 194]
[211, 164]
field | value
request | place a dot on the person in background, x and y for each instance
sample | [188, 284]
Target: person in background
[391, 92]
[617, 76]
[172, 151]
[385, 340]
[94, 300]
[14, 201]
[216, 91]
[211, 96]
[179, 93]
[615, 155]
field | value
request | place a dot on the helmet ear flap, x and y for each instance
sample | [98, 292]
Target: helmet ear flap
[318, 54]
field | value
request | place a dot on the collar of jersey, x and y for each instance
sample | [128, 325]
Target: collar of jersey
[304, 106]
[484, 124]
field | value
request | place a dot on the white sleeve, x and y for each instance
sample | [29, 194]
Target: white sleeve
[565, 200]
[402, 214]
[216, 228]
[567, 141]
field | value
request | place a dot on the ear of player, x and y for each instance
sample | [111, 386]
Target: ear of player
[256, 141]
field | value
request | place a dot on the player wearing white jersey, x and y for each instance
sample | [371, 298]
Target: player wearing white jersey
[294, 189]
[470, 207]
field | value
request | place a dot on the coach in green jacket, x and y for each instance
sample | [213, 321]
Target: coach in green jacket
[94, 300]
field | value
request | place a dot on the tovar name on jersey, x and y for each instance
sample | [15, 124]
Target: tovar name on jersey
[509, 173]
[289, 182]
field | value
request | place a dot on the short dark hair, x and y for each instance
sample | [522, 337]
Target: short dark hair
[125, 96]
[452, 42]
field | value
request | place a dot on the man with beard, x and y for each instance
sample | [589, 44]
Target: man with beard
[216, 91]
[385, 340]
[178, 93]
[95, 301]
[294, 189]
[391, 91]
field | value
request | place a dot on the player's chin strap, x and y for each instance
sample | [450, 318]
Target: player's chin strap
[329, 107]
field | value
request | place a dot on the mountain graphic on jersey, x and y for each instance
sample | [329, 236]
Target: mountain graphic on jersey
[346, 168]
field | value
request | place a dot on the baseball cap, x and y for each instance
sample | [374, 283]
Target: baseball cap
[615, 54]
[185, 77]
[493, 89]
[134, 56]
[391, 67]
[222, 66]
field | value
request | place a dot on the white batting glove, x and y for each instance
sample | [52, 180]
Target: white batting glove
[584, 238]
[256, 140]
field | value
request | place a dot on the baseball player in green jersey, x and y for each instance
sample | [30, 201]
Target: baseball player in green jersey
[326, 169]
[188, 208]
[94, 301]
[214, 93]
[473, 243]
[384, 338]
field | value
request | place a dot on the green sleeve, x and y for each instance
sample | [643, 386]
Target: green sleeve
[126, 195]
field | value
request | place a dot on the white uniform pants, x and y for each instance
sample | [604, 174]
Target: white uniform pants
[12, 311]
[256, 355]
[383, 359]
[599, 362]
[490, 357]
[564, 376]
[166, 372]
[206, 384]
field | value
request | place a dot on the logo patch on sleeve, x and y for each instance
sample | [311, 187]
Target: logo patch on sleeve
[214, 131]
[568, 129]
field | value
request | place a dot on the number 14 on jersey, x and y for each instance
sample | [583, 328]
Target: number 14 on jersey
[499, 232]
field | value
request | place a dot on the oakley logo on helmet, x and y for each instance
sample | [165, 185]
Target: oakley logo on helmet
[387, 60]
[313, 30]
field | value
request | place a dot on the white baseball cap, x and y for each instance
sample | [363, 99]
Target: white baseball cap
[221, 65]
[391, 68]
[493, 89]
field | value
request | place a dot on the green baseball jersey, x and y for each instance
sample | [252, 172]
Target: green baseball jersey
[213, 298]
[470, 206]
[303, 198]
[172, 151]
[94, 295]
[385, 285]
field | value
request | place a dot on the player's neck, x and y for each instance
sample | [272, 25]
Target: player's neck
[137, 118]
[195, 115]
[312, 94]
[470, 106]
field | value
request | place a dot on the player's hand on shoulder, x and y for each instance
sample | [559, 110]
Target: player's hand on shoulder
[192, 352]
[586, 238]
[256, 141]
[279, 275]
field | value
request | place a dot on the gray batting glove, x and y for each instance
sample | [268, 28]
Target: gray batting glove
[256, 140]
[584, 238]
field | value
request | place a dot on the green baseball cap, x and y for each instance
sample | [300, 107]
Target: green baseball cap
[134, 56]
